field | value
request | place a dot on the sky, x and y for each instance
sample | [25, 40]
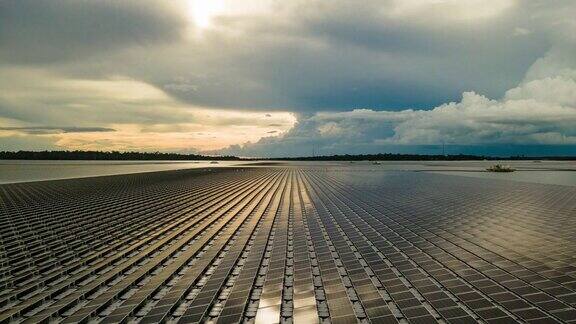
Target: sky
[269, 78]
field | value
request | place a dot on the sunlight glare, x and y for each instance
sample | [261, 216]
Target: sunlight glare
[202, 11]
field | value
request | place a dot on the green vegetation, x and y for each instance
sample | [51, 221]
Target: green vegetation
[387, 157]
[158, 156]
[420, 157]
[111, 155]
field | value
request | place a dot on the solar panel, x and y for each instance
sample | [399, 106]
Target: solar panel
[277, 244]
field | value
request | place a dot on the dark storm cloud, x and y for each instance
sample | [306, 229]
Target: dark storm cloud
[342, 55]
[59, 30]
[421, 65]
[304, 56]
[537, 113]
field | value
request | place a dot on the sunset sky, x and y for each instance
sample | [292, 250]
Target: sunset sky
[281, 78]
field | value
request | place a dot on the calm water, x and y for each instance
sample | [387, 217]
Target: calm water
[545, 172]
[566, 178]
[561, 173]
[23, 171]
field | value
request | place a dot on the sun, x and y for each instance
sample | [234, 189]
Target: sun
[201, 12]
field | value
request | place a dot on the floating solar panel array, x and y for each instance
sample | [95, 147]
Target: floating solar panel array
[287, 244]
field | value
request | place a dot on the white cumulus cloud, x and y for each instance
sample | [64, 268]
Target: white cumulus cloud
[541, 110]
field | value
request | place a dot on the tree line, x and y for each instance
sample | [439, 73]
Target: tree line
[116, 155]
[419, 157]
[105, 155]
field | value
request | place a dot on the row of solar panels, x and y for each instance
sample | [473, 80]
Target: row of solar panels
[271, 245]
[87, 278]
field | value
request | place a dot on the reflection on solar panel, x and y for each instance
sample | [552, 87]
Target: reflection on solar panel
[282, 244]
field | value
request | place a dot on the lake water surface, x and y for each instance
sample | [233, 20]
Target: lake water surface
[23, 171]
[546, 172]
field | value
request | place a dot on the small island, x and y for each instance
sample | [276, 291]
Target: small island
[500, 168]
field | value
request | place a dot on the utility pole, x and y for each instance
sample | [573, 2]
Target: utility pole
[315, 150]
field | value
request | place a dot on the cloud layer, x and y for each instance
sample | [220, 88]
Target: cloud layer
[378, 75]
[539, 111]
[56, 130]
[136, 115]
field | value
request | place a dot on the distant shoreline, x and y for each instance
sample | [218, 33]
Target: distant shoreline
[109, 156]
[423, 157]
[158, 156]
